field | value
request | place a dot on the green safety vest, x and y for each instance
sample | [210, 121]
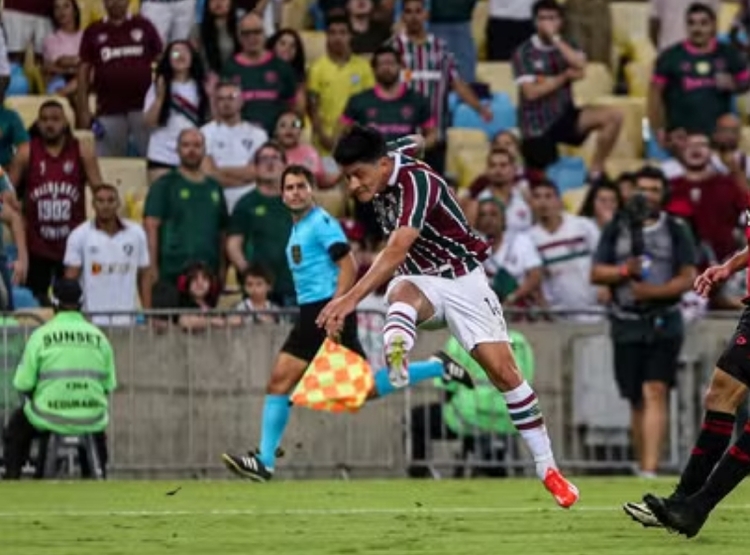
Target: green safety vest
[67, 371]
[11, 348]
[483, 408]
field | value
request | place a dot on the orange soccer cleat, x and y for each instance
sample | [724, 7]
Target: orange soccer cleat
[564, 492]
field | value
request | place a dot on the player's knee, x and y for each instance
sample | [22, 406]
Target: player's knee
[499, 364]
[724, 393]
[404, 292]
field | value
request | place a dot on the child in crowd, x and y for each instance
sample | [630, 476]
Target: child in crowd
[256, 285]
[199, 289]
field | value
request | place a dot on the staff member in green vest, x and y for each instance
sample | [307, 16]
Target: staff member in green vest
[65, 375]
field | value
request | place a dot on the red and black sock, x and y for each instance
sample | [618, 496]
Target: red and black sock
[731, 470]
[713, 440]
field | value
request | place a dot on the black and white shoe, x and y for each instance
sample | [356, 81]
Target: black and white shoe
[677, 514]
[247, 466]
[640, 513]
[453, 371]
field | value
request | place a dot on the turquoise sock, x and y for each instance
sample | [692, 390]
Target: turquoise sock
[418, 372]
[276, 412]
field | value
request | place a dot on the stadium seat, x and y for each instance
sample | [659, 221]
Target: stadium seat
[295, 14]
[616, 166]
[499, 76]
[569, 172]
[471, 164]
[638, 77]
[461, 139]
[479, 28]
[28, 107]
[745, 139]
[315, 45]
[573, 199]
[597, 82]
[727, 13]
[629, 21]
[502, 109]
[19, 83]
[129, 176]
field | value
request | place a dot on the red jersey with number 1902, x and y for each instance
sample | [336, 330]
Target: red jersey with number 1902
[416, 196]
[55, 199]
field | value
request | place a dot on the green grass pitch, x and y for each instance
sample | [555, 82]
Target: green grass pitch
[345, 518]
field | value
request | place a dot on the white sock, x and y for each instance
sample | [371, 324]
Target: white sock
[526, 415]
[401, 322]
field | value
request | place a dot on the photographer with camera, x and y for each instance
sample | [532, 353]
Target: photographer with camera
[647, 258]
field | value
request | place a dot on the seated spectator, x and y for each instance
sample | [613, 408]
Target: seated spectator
[199, 289]
[332, 80]
[216, 39]
[61, 49]
[368, 33]
[173, 19]
[287, 45]
[545, 66]
[26, 23]
[231, 145]
[694, 82]
[57, 171]
[726, 145]
[626, 186]
[508, 140]
[117, 57]
[256, 286]
[602, 202]
[260, 226]
[109, 257]
[566, 244]
[268, 84]
[289, 134]
[500, 182]
[514, 267]
[175, 101]
[185, 216]
[711, 202]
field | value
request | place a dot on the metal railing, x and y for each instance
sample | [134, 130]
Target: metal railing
[184, 397]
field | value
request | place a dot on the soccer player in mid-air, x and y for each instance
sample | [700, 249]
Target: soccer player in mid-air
[712, 470]
[440, 280]
[323, 268]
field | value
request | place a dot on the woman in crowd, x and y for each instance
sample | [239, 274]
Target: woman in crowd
[289, 135]
[601, 203]
[177, 100]
[287, 45]
[215, 39]
[61, 49]
[199, 289]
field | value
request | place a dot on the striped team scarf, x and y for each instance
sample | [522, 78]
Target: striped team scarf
[184, 107]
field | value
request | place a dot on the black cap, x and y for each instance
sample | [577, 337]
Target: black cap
[67, 292]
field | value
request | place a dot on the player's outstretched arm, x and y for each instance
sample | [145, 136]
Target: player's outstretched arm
[714, 275]
[347, 274]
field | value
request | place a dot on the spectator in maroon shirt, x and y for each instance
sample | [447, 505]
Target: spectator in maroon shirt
[26, 21]
[119, 51]
[710, 201]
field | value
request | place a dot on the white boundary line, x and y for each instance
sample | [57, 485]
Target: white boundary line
[324, 512]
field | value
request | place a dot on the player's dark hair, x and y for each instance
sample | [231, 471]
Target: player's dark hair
[542, 183]
[700, 8]
[272, 145]
[546, 6]
[384, 50]
[299, 171]
[256, 270]
[360, 144]
[338, 18]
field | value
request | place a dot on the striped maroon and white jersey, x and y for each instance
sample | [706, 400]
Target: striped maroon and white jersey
[418, 197]
[429, 69]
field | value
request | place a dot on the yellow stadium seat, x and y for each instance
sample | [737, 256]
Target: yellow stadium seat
[727, 13]
[638, 77]
[295, 14]
[471, 164]
[597, 82]
[629, 20]
[130, 177]
[630, 142]
[84, 137]
[499, 76]
[745, 139]
[459, 139]
[479, 28]
[28, 107]
[641, 50]
[573, 199]
[315, 45]
[32, 317]
[616, 166]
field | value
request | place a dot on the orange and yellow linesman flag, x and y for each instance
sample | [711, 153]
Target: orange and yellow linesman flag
[337, 380]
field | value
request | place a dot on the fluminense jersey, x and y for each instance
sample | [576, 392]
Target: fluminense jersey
[416, 196]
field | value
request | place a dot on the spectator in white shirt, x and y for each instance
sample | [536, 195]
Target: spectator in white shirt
[514, 267]
[109, 256]
[566, 245]
[176, 101]
[231, 145]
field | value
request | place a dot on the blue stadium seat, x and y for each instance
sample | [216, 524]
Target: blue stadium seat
[19, 83]
[568, 173]
[502, 108]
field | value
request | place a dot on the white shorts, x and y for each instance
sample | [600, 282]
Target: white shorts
[467, 305]
[173, 20]
[22, 29]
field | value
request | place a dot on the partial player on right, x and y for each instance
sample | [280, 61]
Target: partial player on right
[712, 471]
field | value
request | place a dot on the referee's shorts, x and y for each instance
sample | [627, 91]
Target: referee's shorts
[306, 337]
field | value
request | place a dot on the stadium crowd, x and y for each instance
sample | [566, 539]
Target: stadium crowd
[217, 98]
